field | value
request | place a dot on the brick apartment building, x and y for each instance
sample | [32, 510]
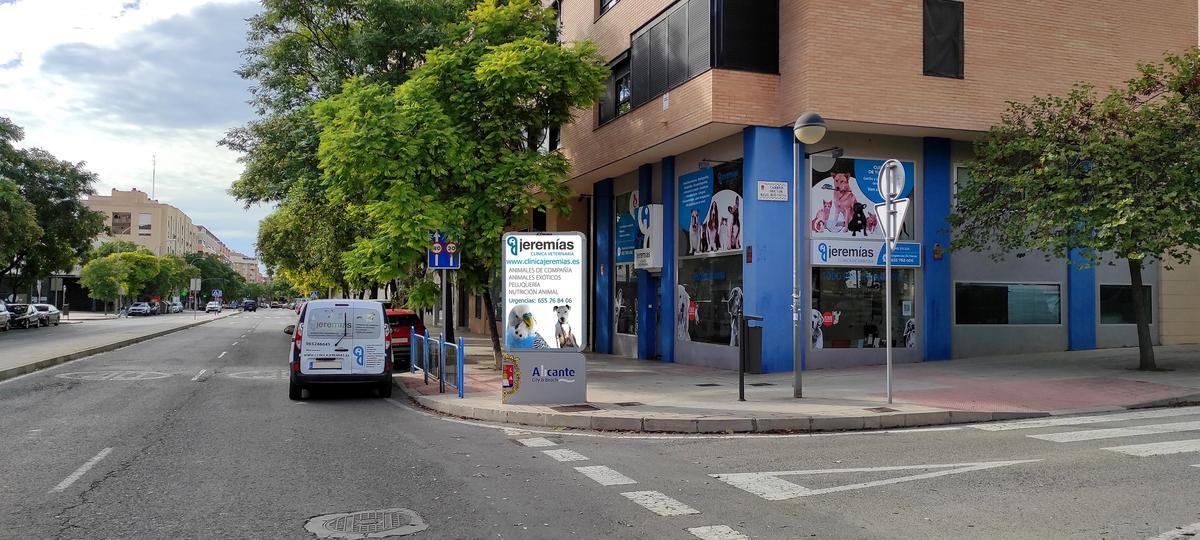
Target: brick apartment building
[698, 118]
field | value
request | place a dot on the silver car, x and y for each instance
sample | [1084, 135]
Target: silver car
[139, 308]
[50, 314]
[4, 316]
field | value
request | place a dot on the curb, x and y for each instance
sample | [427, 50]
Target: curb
[711, 424]
[9, 373]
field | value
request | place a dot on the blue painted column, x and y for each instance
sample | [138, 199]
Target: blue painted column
[937, 286]
[767, 242]
[1081, 303]
[666, 281]
[647, 327]
[602, 310]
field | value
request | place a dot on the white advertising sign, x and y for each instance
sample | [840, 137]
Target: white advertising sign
[545, 300]
[772, 191]
[649, 221]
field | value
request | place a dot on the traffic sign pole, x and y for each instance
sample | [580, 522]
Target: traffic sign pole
[891, 183]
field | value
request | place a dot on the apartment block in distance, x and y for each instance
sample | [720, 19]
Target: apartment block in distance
[132, 215]
[698, 117]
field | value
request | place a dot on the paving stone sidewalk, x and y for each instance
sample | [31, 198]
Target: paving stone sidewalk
[640, 395]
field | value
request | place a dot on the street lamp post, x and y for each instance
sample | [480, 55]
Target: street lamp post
[809, 129]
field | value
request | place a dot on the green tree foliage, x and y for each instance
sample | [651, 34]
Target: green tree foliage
[215, 274]
[141, 268]
[174, 276]
[103, 278]
[456, 147]
[55, 190]
[19, 228]
[112, 246]
[1102, 175]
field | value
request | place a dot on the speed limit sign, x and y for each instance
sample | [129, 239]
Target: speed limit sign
[451, 248]
[436, 248]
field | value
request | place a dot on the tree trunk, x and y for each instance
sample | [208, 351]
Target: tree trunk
[448, 312]
[1145, 347]
[491, 323]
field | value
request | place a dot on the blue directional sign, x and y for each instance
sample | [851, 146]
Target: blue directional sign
[443, 254]
[216, 293]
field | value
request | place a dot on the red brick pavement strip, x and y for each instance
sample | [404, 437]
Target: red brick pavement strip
[975, 394]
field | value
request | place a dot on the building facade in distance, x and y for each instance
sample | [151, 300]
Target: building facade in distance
[132, 215]
[698, 117]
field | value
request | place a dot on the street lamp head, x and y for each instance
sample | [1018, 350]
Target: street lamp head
[809, 128]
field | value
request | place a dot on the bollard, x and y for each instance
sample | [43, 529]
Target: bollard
[412, 349]
[425, 359]
[743, 333]
[459, 377]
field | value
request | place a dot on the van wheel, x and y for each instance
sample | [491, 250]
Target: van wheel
[385, 389]
[295, 391]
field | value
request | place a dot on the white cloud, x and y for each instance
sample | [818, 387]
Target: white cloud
[113, 82]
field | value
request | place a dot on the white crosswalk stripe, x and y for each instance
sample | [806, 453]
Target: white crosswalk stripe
[1084, 420]
[1113, 433]
[1158, 449]
[605, 476]
[659, 503]
[717, 532]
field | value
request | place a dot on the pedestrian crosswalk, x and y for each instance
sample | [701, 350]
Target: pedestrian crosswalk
[1148, 425]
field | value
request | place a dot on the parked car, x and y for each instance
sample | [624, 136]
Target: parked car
[233, 305]
[176, 307]
[153, 307]
[274, 305]
[139, 308]
[213, 306]
[50, 314]
[4, 316]
[24, 315]
[250, 305]
[340, 342]
[401, 322]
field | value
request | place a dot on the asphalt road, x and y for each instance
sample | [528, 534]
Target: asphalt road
[180, 453]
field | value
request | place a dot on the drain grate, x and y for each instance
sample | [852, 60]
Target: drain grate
[762, 384]
[708, 384]
[575, 408]
[630, 403]
[881, 409]
[367, 524]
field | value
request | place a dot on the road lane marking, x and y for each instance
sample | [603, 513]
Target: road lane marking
[1187, 532]
[198, 375]
[717, 532]
[605, 476]
[536, 442]
[82, 470]
[1158, 449]
[659, 504]
[243, 335]
[1081, 420]
[563, 454]
[1113, 433]
[234, 343]
[222, 355]
[769, 486]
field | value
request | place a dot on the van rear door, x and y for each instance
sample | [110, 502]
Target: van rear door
[369, 329]
[328, 340]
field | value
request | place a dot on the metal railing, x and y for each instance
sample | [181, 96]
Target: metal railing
[431, 359]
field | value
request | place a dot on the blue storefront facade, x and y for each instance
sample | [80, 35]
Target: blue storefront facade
[727, 241]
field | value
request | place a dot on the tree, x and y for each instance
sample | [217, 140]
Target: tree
[103, 278]
[1102, 176]
[55, 190]
[19, 228]
[141, 268]
[174, 275]
[112, 246]
[457, 146]
[215, 274]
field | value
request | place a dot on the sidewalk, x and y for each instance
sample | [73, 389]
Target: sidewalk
[638, 395]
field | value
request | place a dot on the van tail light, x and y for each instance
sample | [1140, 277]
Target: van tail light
[298, 336]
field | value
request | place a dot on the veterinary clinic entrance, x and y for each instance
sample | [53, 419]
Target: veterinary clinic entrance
[846, 274]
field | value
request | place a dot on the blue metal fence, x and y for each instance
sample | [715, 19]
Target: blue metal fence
[431, 359]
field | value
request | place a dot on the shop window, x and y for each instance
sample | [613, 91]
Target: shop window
[1116, 304]
[848, 308]
[144, 222]
[1007, 303]
[943, 38]
[709, 291]
[122, 223]
[625, 299]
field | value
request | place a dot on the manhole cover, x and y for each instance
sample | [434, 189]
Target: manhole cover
[630, 403]
[881, 409]
[113, 375]
[367, 524]
[261, 374]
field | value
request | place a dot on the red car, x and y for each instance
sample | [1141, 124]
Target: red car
[400, 321]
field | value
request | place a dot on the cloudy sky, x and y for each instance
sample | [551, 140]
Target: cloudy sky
[114, 82]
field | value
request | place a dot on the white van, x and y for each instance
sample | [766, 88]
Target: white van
[340, 342]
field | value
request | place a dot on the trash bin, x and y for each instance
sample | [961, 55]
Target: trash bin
[753, 343]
